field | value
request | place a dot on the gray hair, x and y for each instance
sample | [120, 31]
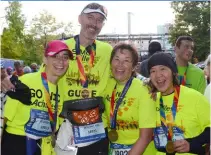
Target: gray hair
[27, 69]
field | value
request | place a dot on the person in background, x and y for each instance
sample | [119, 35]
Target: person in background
[27, 69]
[18, 68]
[183, 114]
[154, 47]
[137, 70]
[195, 60]
[207, 68]
[34, 67]
[189, 75]
[3, 97]
[9, 71]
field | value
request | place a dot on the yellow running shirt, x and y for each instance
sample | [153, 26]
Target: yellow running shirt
[97, 75]
[18, 114]
[193, 112]
[136, 111]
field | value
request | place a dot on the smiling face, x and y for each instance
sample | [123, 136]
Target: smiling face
[122, 65]
[161, 77]
[57, 64]
[91, 24]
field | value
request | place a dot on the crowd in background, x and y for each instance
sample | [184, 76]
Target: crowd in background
[90, 98]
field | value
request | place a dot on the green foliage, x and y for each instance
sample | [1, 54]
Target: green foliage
[16, 43]
[45, 27]
[12, 41]
[193, 19]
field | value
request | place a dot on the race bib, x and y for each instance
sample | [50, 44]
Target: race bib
[119, 149]
[88, 133]
[38, 125]
[177, 134]
[160, 138]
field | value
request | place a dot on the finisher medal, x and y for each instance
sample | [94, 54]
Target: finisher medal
[85, 93]
[113, 135]
[170, 147]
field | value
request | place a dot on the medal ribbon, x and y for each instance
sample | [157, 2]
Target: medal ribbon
[91, 50]
[113, 101]
[52, 117]
[183, 78]
[113, 111]
[168, 127]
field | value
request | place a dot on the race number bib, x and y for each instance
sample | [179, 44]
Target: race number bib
[177, 134]
[88, 133]
[160, 138]
[38, 125]
[119, 149]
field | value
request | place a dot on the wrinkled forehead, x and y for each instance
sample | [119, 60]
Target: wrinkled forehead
[95, 15]
[123, 52]
[187, 42]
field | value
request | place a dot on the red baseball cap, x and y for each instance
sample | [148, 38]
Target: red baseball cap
[56, 46]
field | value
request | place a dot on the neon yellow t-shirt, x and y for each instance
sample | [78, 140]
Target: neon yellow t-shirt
[195, 77]
[18, 114]
[193, 112]
[136, 111]
[97, 75]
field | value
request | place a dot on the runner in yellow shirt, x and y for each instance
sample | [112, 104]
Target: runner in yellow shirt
[130, 112]
[182, 113]
[87, 76]
[26, 125]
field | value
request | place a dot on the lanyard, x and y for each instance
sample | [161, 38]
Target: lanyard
[52, 117]
[113, 111]
[91, 49]
[183, 78]
[168, 127]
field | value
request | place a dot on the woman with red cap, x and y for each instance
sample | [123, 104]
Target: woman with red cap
[27, 125]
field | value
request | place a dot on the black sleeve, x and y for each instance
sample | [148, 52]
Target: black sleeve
[22, 92]
[196, 143]
[144, 68]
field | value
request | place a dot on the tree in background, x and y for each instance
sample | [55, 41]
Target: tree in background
[193, 19]
[18, 43]
[12, 41]
[67, 30]
[45, 28]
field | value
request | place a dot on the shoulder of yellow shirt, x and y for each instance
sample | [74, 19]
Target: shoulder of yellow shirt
[30, 78]
[98, 43]
[139, 85]
[189, 92]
